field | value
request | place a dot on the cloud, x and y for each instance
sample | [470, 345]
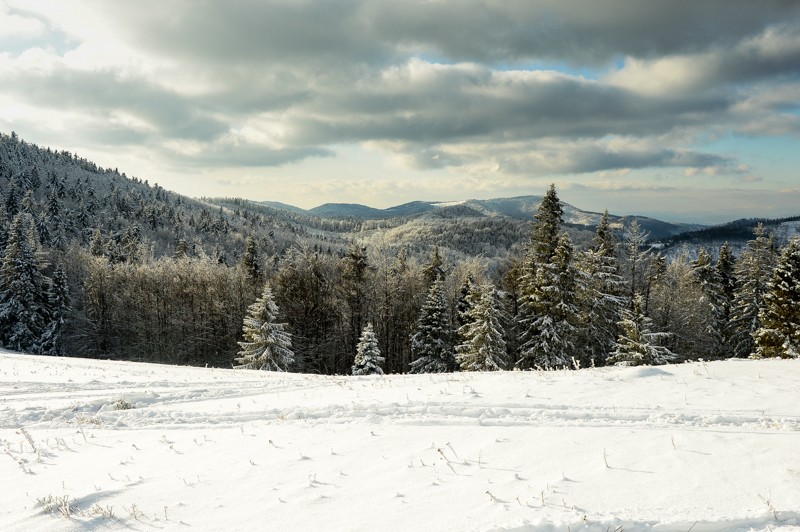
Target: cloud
[374, 31]
[492, 92]
[773, 53]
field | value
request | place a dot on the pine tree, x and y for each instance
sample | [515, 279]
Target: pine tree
[266, 345]
[429, 343]
[368, 359]
[637, 344]
[552, 313]
[753, 272]
[24, 290]
[779, 334]
[483, 347]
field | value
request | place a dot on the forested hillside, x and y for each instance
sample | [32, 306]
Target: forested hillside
[98, 264]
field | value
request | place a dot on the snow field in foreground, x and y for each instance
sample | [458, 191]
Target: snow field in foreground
[100, 445]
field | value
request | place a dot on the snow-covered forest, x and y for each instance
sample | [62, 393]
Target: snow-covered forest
[97, 264]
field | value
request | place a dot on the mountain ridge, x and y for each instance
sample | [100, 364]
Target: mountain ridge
[515, 207]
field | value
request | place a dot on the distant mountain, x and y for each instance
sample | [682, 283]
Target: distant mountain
[75, 202]
[347, 210]
[737, 232]
[516, 208]
[284, 206]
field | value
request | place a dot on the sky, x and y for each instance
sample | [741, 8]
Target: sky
[683, 110]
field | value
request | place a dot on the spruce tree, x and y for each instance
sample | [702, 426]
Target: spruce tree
[713, 301]
[547, 227]
[430, 349]
[551, 335]
[779, 334]
[725, 268]
[267, 345]
[638, 344]
[482, 345]
[52, 342]
[355, 268]
[637, 259]
[368, 359]
[464, 304]
[602, 297]
[753, 272]
[24, 289]
[251, 261]
[434, 269]
[97, 247]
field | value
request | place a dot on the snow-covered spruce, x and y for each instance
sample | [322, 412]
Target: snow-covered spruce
[551, 312]
[429, 345]
[754, 271]
[368, 359]
[601, 296]
[779, 334]
[638, 344]
[25, 291]
[483, 347]
[267, 345]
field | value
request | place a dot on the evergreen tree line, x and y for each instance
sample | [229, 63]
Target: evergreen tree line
[616, 302]
[373, 309]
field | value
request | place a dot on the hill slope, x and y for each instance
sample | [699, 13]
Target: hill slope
[128, 446]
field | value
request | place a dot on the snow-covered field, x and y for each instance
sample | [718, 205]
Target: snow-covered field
[97, 445]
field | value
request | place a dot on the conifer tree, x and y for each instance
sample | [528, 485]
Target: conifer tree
[552, 313]
[638, 344]
[434, 269]
[267, 345]
[753, 272]
[251, 262]
[97, 246]
[24, 289]
[637, 259]
[52, 342]
[181, 250]
[430, 350]
[602, 296]
[779, 333]
[464, 303]
[355, 268]
[713, 301]
[368, 359]
[725, 268]
[547, 227]
[482, 345]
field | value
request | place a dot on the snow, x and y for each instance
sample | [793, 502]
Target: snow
[701, 446]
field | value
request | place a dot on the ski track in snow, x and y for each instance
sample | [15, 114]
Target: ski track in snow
[53, 410]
